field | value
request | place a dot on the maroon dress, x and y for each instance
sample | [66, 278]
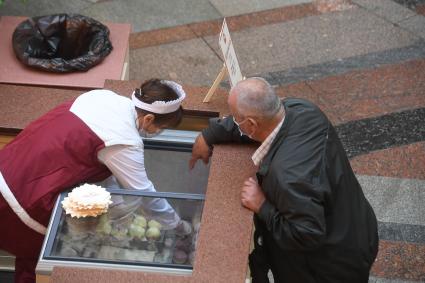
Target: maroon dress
[55, 152]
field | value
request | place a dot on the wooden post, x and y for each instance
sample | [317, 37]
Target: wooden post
[217, 81]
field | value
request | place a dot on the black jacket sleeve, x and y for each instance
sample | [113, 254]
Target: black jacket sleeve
[297, 220]
[221, 130]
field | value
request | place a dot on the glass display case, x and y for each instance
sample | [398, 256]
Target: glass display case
[132, 235]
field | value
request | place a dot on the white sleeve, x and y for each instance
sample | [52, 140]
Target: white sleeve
[128, 167]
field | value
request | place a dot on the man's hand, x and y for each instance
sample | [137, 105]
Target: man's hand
[252, 197]
[200, 150]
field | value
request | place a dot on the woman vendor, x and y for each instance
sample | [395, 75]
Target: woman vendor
[88, 139]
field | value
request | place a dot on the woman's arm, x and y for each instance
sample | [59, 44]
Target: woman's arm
[128, 167]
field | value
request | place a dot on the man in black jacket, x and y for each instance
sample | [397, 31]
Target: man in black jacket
[312, 220]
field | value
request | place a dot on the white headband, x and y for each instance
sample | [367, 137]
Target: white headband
[162, 107]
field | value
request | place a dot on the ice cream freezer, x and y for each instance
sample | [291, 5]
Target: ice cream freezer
[120, 240]
[129, 236]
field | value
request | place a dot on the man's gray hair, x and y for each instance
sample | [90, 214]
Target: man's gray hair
[257, 98]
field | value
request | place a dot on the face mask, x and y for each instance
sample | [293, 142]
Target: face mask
[144, 134]
[239, 127]
[240, 132]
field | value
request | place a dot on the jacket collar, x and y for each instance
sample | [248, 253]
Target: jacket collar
[283, 132]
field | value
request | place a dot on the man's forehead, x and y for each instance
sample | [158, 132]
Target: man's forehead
[231, 101]
[232, 96]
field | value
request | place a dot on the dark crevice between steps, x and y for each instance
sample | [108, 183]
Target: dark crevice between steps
[401, 232]
[345, 65]
[410, 4]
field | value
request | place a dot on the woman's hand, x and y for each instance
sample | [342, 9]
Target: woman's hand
[200, 150]
[183, 228]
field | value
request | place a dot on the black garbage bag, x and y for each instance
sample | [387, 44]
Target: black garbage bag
[61, 43]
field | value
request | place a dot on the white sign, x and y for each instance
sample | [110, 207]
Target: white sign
[229, 54]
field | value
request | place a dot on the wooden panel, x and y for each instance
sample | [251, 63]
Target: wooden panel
[4, 140]
[125, 74]
[42, 278]
[7, 261]
[193, 123]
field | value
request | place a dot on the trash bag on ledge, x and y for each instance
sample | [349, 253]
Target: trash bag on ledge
[61, 43]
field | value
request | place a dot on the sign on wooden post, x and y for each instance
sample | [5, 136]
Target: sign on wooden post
[231, 64]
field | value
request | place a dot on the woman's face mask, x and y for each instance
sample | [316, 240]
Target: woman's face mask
[147, 129]
[144, 134]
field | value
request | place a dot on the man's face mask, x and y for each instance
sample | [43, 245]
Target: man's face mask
[239, 127]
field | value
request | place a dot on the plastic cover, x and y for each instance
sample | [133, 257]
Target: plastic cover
[61, 43]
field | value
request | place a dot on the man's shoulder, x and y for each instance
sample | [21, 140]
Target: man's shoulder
[294, 102]
[304, 111]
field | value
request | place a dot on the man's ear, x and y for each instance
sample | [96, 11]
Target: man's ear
[253, 122]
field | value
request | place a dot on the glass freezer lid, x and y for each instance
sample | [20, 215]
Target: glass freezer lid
[167, 163]
[127, 235]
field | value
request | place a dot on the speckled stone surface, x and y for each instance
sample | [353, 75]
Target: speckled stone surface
[224, 239]
[239, 22]
[19, 105]
[400, 260]
[371, 93]
[147, 15]
[301, 90]
[257, 19]
[390, 10]
[374, 279]
[420, 9]
[388, 263]
[415, 25]
[161, 36]
[236, 7]
[313, 40]
[345, 65]
[403, 162]
[40, 7]
[365, 94]
[395, 200]
[171, 61]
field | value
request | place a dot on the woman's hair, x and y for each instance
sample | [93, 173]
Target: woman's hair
[153, 90]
